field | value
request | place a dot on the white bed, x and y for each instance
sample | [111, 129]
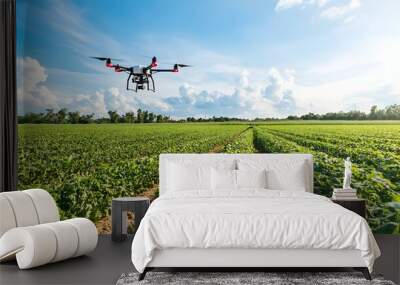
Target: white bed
[249, 227]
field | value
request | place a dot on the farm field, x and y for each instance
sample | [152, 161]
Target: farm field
[85, 166]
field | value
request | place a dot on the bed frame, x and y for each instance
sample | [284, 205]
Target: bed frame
[246, 258]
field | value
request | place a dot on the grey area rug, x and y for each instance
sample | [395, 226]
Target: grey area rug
[269, 278]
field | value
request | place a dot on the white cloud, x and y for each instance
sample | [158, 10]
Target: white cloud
[357, 79]
[320, 3]
[191, 102]
[328, 12]
[286, 4]
[349, 19]
[244, 78]
[89, 103]
[334, 12]
[33, 73]
[115, 99]
[271, 97]
[32, 93]
[279, 90]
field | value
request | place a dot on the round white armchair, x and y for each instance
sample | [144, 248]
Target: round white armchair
[31, 231]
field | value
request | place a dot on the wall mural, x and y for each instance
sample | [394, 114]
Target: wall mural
[319, 77]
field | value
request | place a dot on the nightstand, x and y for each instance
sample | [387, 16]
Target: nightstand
[356, 205]
[119, 208]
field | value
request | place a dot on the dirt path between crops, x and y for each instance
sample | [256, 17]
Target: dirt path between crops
[219, 147]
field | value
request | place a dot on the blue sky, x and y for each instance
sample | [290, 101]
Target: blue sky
[250, 58]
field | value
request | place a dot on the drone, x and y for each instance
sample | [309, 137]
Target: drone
[139, 75]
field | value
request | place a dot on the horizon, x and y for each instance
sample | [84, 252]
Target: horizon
[375, 114]
[267, 59]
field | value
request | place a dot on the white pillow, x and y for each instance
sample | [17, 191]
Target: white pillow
[223, 164]
[251, 178]
[182, 177]
[223, 179]
[289, 175]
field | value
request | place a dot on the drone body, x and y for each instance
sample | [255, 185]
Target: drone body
[139, 69]
[139, 75]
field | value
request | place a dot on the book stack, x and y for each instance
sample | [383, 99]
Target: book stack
[344, 194]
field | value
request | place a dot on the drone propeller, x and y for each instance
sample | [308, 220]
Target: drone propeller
[177, 65]
[105, 58]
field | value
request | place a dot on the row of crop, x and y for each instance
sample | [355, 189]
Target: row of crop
[370, 131]
[383, 216]
[50, 153]
[385, 162]
[85, 188]
[53, 155]
[91, 195]
[242, 144]
[351, 137]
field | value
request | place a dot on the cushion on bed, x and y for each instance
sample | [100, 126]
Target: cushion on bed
[223, 179]
[182, 177]
[251, 178]
[280, 174]
[187, 161]
[231, 180]
[288, 177]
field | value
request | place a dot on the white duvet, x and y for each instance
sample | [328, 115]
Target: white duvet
[250, 219]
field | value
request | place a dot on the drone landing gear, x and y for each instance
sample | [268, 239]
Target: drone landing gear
[141, 81]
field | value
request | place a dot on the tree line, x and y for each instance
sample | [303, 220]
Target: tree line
[63, 116]
[391, 112]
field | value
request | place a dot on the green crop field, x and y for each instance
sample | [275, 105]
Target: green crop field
[85, 166]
